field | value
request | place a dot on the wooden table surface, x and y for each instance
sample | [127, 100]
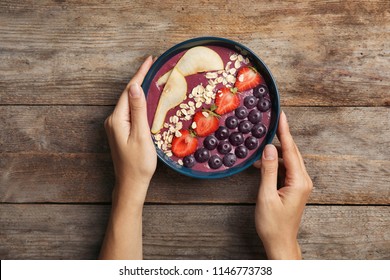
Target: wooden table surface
[64, 63]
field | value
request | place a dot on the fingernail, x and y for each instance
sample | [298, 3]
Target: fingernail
[135, 90]
[269, 152]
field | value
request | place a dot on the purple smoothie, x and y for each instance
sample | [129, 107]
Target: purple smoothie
[193, 81]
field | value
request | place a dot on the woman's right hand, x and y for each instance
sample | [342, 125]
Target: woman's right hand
[279, 211]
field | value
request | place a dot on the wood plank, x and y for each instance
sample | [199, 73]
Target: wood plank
[83, 52]
[63, 150]
[334, 232]
[361, 131]
[88, 178]
[190, 232]
[53, 129]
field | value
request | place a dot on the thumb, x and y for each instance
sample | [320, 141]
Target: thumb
[269, 171]
[138, 113]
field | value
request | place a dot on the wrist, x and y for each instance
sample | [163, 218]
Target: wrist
[128, 180]
[289, 250]
[130, 193]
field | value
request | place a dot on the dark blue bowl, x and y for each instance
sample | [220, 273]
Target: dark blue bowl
[259, 65]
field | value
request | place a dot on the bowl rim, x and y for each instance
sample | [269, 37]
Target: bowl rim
[275, 101]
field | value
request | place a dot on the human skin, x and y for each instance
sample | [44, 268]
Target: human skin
[279, 212]
[135, 160]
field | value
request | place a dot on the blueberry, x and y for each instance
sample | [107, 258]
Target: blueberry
[229, 160]
[264, 105]
[224, 147]
[251, 142]
[236, 138]
[210, 142]
[189, 161]
[202, 155]
[245, 126]
[250, 101]
[259, 130]
[222, 133]
[260, 91]
[241, 112]
[215, 162]
[241, 151]
[231, 122]
[254, 116]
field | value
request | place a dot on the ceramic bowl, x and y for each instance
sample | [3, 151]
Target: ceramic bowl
[258, 64]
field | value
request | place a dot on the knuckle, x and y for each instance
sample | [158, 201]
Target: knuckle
[269, 169]
[139, 105]
[309, 184]
[107, 122]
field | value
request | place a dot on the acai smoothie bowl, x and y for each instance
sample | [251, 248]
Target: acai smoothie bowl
[212, 107]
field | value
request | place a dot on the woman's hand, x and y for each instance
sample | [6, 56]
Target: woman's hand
[278, 212]
[135, 160]
[132, 149]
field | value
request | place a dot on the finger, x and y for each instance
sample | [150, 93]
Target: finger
[121, 110]
[138, 116]
[269, 171]
[122, 107]
[257, 164]
[291, 158]
[281, 168]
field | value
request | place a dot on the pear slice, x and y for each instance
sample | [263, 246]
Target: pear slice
[199, 59]
[173, 94]
[164, 78]
[195, 60]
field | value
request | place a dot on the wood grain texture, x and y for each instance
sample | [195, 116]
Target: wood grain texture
[88, 178]
[75, 129]
[60, 154]
[65, 63]
[327, 53]
[340, 131]
[190, 232]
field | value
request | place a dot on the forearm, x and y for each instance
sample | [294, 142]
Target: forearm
[123, 238]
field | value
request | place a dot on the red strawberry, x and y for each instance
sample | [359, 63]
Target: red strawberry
[247, 78]
[226, 100]
[206, 122]
[184, 145]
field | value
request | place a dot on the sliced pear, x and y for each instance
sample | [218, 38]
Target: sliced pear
[199, 59]
[164, 78]
[195, 60]
[173, 94]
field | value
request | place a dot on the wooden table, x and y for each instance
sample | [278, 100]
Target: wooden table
[63, 65]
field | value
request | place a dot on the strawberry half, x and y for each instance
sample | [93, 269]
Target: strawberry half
[226, 100]
[206, 122]
[247, 78]
[184, 145]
